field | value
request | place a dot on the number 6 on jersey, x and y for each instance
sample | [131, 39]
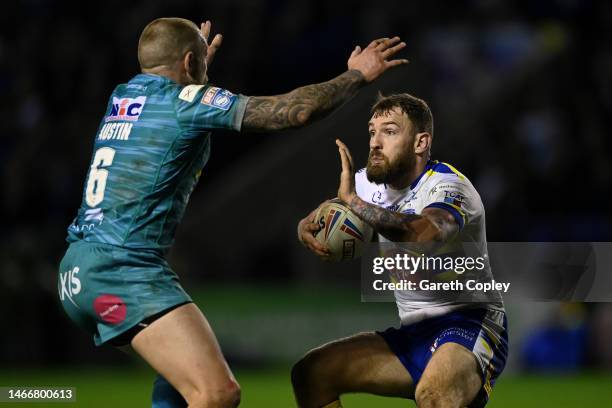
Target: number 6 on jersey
[96, 182]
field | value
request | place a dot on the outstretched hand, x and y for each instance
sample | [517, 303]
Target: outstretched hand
[346, 191]
[374, 60]
[213, 45]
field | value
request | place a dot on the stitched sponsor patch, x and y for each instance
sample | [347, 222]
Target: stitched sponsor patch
[126, 108]
[218, 98]
[189, 92]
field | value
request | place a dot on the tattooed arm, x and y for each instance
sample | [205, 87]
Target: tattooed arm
[432, 225]
[304, 105]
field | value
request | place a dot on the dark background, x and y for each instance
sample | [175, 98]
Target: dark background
[521, 94]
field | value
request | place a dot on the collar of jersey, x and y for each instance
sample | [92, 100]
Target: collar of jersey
[144, 77]
[430, 164]
[428, 167]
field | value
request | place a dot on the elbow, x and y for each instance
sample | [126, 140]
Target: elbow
[429, 231]
[300, 116]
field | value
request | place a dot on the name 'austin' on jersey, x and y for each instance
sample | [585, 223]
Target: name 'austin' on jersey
[148, 154]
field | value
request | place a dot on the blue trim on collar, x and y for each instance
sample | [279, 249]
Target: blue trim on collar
[430, 164]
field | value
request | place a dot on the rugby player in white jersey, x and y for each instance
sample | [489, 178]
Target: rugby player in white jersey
[445, 353]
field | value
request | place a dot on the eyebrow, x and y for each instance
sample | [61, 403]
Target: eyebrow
[385, 123]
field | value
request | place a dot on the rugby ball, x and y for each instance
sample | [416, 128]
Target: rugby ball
[341, 230]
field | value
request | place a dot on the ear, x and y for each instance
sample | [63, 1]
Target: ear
[188, 64]
[422, 142]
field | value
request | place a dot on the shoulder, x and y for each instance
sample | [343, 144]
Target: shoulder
[448, 185]
[441, 173]
[447, 180]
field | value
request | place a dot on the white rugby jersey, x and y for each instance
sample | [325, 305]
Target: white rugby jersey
[441, 186]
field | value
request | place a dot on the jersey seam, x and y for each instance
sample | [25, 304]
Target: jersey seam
[129, 230]
[180, 133]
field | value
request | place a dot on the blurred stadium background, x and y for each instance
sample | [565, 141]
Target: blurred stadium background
[521, 94]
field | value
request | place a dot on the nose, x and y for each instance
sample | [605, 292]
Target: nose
[375, 141]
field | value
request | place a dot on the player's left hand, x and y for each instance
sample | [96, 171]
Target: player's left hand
[375, 59]
[213, 45]
[346, 191]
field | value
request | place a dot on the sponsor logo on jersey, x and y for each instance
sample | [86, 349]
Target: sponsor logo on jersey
[434, 346]
[94, 214]
[110, 308]
[218, 98]
[115, 131]
[69, 285]
[189, 92]
[453, 197]
[412, 197]
[126, 108]
[377, 197]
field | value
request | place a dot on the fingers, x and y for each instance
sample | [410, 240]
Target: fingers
[216, 42]
[395, 63]
[387, 43]
[310, 242]
[311, 217]
[345, 154]
[346, 165]
[392, 50]
[356, 52]
[312, 227]
[205, 29]
[377, 42]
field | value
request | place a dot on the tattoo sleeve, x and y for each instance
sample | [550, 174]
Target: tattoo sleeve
[302, 105]
[398, 227]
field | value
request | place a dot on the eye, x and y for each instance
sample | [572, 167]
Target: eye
[371, 132]
[390, 131]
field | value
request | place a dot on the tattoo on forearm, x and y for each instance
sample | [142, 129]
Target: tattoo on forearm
[389, 223]
[398, 227]
[302, 105]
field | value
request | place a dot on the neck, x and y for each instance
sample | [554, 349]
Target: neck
[405, 181]
[166, 72]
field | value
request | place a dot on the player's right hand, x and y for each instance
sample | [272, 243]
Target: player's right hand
[307, 227]
[375, 58]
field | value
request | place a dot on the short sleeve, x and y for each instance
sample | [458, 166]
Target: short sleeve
[456, 197]
[204, 107]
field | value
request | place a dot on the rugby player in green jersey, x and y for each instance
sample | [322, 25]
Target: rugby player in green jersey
[148, 153]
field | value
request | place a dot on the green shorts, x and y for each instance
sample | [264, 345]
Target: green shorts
[109, 290]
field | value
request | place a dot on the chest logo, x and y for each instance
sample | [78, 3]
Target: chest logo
[126, 108]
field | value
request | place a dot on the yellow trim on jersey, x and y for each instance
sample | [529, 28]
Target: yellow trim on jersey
[487, 384]
[457, 172]
[486, 346]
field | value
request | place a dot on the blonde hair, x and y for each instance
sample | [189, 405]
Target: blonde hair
[165, 41]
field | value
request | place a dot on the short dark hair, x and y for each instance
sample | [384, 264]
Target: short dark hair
[165, 41]
[415, 108]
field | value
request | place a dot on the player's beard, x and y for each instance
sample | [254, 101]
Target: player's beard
[389, 172]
